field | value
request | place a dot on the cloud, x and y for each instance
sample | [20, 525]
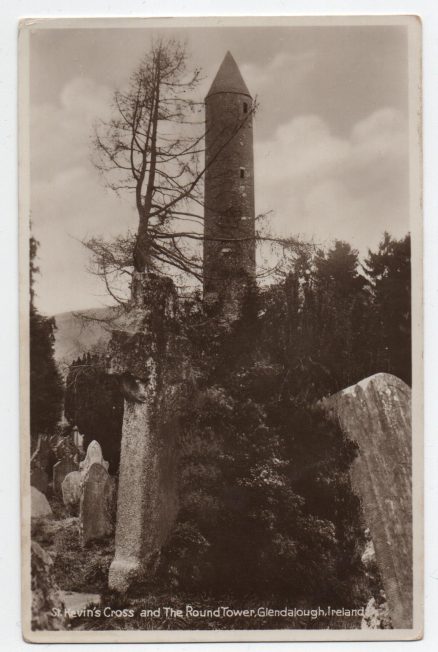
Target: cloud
[68, 198]
[295, 65]
[61, 133]
[317, 182]
[67, 209]
[325, 186]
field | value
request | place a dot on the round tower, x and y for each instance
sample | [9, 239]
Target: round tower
[229, 214]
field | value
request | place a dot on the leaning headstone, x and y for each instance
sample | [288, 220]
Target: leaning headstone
[376, 414]
[94, 456]
[96, 504]
[71, 491]
[39, 504]
[47, 604]
[60, 470]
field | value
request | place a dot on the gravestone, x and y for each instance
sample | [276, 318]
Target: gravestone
[94, 456]
[96, 504]
[60, 470]
[376, 414]
[40, 507]
[71, 491]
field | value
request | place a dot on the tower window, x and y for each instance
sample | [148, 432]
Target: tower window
[242, 173]
[245, 107]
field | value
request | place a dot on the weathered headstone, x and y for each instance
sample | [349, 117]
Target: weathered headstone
[71, 491]
[376, 414]
[148, 361]
[94, 456]
[39, 504]
[60, 470]
[96, 504]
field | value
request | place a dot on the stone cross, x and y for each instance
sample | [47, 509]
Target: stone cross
[148, 362]
[376, 414]
[96, 504]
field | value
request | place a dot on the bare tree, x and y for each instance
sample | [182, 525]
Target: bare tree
[153, 148]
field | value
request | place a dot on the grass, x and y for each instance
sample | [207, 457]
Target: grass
[184, 621]
[85, 570]
[75, 568]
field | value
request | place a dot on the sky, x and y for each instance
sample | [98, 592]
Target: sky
[331, 136]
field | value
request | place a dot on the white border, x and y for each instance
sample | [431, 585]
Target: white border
[413, 25]
[428, 9]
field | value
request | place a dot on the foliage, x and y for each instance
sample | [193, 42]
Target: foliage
[46, 388]
[335, 324]
[267, 507]
[94, 404]
[75, 569]
[389, 271]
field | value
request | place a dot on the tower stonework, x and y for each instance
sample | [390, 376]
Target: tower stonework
[229, 220]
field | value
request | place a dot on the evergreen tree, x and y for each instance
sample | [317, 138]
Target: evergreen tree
[46, 388]
[341, 319]
[266, 505]
[320, 316]
[389, 272]
[94, 403]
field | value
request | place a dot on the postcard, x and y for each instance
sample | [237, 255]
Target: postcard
[221, 329]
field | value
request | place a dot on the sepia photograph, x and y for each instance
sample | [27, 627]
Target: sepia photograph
[221, 329]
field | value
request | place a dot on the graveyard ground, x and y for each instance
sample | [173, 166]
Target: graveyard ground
[83, 571]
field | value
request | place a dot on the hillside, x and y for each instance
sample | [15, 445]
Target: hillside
[74, 336]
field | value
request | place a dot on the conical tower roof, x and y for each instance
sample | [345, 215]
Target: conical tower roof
[228, 79]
